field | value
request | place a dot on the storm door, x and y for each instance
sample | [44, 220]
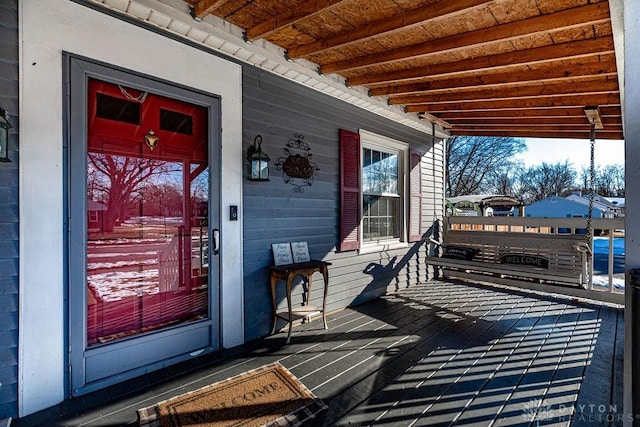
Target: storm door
[144, 225]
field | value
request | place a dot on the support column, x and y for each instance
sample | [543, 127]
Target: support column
[631, 112]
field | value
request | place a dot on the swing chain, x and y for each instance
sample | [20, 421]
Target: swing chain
[592, 179]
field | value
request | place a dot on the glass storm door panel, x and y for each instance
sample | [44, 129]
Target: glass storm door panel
[150, 200]
[147, 202]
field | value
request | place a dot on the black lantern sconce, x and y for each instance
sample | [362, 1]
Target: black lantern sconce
[259, 161]
[4, 136]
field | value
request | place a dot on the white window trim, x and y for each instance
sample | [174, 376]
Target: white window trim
[393, 146]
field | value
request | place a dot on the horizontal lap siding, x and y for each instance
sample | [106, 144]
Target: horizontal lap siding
[433, 170]
[9, 214]
[273, 212]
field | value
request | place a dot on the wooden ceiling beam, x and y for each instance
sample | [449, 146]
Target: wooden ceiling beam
[575, 17]
[583, 49]
[386, 26]
[530, 121]
[602, 84]
[205, 7]
[552, 126]
[604, 66]
[606, 111]
[604, 98]
[293, 15]
[534, 133]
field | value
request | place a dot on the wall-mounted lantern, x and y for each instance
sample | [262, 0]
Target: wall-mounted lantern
[259, 161]
[4, 136]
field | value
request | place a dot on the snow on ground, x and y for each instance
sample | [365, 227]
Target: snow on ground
[120, 255]
[116, 285]
[603, 282]
[127, 241]
[120, 264]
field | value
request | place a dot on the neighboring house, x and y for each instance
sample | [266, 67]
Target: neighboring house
[95, 215]
[82, 74]
[618, 204]
[600, 204]
[483, 205]
[614, 204]
[566, 207]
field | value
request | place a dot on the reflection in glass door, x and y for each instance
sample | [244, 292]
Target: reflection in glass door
[147, 238]
[143, 288]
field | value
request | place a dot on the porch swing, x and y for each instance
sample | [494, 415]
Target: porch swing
[510, 257]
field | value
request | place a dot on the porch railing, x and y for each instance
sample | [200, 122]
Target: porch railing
[603, 230]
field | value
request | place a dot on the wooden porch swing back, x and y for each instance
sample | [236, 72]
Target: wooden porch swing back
[503, 256]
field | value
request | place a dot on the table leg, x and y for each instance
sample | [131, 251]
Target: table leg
[308, 296]
[274, 281]
[309, 276]
[325, 273]
[289, 282]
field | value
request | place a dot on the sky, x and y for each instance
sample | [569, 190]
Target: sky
[577, 151]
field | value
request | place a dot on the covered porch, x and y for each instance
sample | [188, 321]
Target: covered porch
[427, 351]
[438, 353]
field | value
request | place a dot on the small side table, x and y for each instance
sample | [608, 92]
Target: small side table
[287, 273]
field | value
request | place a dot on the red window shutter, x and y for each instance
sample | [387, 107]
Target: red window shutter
[350, 203]
[415, 196]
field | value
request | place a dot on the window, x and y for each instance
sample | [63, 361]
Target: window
[381, 197]
[121, 110]
[174, 121]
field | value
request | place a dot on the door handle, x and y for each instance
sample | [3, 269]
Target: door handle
[216, 241]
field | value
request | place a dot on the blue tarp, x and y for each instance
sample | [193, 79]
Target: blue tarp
[601, 255]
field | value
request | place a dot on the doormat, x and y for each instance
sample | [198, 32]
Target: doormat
[267, 396]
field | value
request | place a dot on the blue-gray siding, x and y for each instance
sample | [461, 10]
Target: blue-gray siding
[9, 214]
[277, 109]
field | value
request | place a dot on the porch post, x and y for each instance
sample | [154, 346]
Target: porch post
[631, 112]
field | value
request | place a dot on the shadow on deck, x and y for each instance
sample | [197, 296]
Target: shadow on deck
[434, 354]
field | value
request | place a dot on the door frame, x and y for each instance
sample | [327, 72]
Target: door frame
[103, 365]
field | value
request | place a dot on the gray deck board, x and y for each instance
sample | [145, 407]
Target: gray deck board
[428, 368]
[434, 354]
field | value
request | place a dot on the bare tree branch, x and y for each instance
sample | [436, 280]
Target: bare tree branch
[472, 161]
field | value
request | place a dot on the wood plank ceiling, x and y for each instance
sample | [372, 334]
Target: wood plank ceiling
[522, 68]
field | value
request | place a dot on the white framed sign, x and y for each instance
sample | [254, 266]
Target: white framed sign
[282, 253]
[300, 252]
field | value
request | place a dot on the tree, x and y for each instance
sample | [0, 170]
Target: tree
[163, 199]
[504, 180]
[473, 160]
[609, 180]
[117, 181]
[546, 179]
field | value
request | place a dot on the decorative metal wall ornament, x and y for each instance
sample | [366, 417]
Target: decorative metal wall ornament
[298, 169]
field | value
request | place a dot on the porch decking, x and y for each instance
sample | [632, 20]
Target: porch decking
[434, 354]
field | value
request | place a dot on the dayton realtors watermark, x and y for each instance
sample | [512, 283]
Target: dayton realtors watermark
[592, 413]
